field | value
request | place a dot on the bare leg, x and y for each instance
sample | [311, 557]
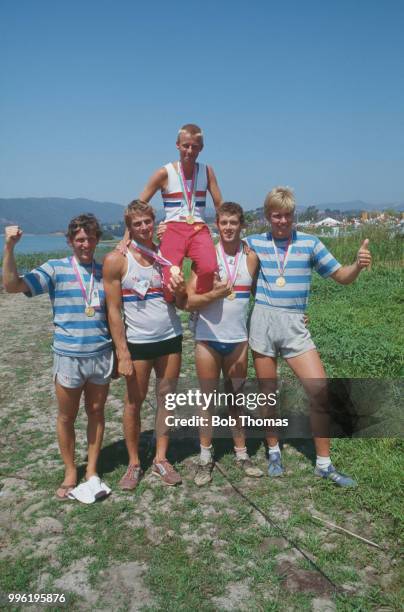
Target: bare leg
[310, 371]
[68, 407]
[235, 373]
[136, 390]
[265, 368]
[167, 370]
[208, 367]
[95, 397]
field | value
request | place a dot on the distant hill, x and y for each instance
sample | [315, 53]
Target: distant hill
[47, 215]
[355, 206]
[359, 205]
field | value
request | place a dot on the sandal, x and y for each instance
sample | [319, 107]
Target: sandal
[65, 491]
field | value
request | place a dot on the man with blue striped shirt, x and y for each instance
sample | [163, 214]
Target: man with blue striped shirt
[82, 345]
[287, 258]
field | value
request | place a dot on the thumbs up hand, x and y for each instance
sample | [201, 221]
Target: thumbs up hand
[364, 257]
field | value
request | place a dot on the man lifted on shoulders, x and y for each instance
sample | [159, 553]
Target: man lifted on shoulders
[183, 185]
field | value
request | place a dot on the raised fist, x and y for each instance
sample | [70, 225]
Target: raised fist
[13, 234]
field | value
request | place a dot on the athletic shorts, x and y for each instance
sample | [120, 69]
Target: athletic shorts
[153, 350]
[74, 372]
[276, 332]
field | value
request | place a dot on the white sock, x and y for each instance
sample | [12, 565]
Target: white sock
[274, 449]
[206, 454]
[241, 453]
[323, 462]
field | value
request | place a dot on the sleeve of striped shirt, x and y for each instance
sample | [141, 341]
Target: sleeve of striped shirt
[40, 280]
[323, 261]
[249, 240]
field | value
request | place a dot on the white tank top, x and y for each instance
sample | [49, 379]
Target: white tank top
[175, 203]
[149, 318]
[226, 320]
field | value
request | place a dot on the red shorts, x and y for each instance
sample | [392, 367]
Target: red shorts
[194, 241]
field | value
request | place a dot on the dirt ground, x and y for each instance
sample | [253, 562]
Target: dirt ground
[159, 547]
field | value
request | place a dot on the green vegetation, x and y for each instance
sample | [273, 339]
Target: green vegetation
[387, 248]
[359, 328]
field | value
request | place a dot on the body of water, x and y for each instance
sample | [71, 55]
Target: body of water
[39, 243]
[43, 243]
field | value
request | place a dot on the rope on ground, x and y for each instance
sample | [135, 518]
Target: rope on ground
[279, 529]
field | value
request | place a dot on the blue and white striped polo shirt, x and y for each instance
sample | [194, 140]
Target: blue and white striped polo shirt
[75, 334]
[306, 252]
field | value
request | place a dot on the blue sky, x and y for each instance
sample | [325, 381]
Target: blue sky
[308, 94]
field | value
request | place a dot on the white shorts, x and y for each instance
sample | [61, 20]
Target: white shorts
[276, 332]
[74, 372]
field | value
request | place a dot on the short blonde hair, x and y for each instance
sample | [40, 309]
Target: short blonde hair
[280, 198]
[190, 128]
[137, 207]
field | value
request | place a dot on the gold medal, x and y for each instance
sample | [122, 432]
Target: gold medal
[231, 296]
[90, 311]
[281, 280]
[190, 219]
[175, 270]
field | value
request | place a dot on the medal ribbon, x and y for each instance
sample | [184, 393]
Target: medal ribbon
[155, 256]
[189, 194]
[80, 280]
[231, 277]
[282, 265]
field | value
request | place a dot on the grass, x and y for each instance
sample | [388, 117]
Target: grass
[182, 583]
[386, 248]
[359, 329]
[200, 547]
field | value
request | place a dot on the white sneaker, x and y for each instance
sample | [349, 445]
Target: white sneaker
[91, 490]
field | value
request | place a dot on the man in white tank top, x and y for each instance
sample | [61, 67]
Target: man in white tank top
[221, 332]
[183, 185]
[148, 337]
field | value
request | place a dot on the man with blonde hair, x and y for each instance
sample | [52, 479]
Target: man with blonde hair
[287, 258]
[280, 197]
[183, 185]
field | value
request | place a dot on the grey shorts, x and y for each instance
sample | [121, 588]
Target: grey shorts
[74, 372]
[276, 332]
